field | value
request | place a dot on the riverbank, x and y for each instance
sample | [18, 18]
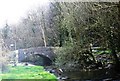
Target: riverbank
[27, 72]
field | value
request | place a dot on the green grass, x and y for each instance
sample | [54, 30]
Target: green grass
[28, 72]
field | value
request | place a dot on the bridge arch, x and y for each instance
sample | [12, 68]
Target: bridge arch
[46, 61]
[38, 56]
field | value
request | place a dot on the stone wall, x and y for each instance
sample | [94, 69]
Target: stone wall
[48, 53]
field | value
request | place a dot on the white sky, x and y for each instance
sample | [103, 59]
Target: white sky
[12, 10]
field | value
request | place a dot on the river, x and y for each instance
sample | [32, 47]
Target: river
[93, 75]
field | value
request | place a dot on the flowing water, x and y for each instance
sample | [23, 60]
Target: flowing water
[93, 75]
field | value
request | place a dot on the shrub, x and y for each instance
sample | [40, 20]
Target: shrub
[73, 57]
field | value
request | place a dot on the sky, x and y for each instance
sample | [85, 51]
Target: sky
[11, 11]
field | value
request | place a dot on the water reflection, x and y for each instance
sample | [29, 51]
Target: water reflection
[93, 75]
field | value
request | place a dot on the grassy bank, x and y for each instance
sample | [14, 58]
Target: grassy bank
[28, 72]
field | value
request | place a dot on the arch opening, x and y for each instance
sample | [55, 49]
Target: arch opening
[38, 59]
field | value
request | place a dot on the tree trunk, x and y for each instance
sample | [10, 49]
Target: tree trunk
[42, 29]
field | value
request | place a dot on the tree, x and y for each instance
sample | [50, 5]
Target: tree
[71, 27]
[111, 27]
[92, 25]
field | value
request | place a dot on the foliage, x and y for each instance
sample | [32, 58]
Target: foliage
[93, 25]
[74, 57]
[72, 26]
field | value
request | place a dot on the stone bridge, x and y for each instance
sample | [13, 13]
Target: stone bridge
[37, 55]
